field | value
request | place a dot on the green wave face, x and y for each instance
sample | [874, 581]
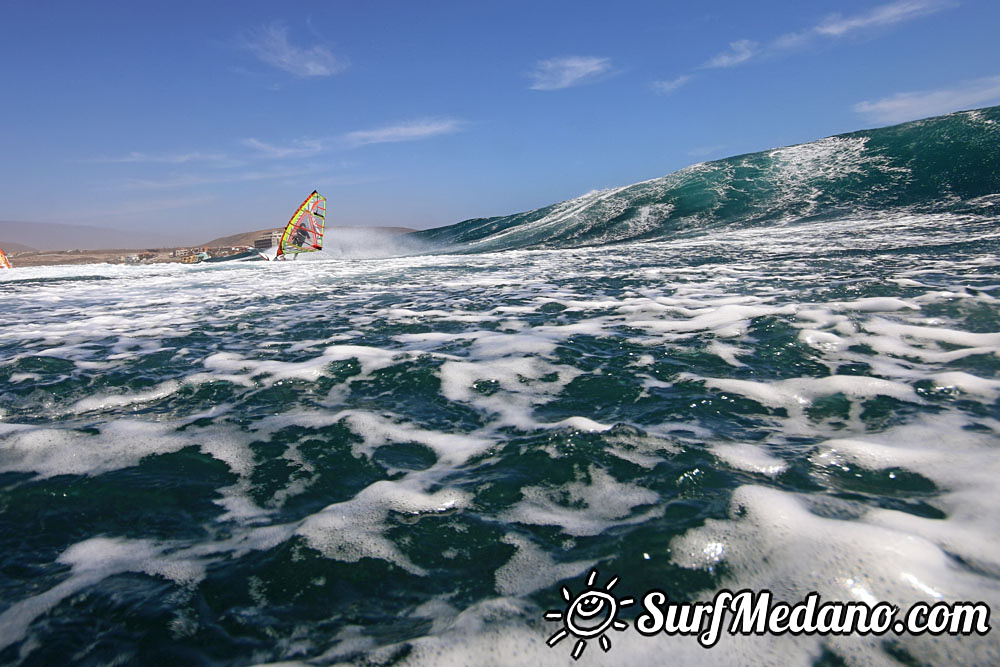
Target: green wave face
[947, 164]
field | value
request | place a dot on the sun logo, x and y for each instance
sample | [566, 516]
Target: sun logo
[590, 614]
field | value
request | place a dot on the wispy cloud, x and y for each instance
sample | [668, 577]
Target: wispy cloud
[409, 131]
[136, 157]
[830, 28]
[667, 87]
[216, 178]
[896, 12]
[275, 161]
[272, 46]
[837, 26]
[909, 106]
[739, 52]
[559, 73]
[298, 148]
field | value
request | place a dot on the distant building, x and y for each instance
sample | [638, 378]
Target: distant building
[268, 241]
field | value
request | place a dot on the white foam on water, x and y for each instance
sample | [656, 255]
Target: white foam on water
[967, 384]
[727, 321]
[643, 450]
[230, 367]
[23, 377]
[797, 393]
[906, 282]
[92, 561]
[492, 346]
[935, 334]
[823, 340]
[433, 339]
[96, 559]
[375, 430]
[772, 541]
[726, 352]
[577, 423]
[525, 381]
[596, 504]
[504, 365]
[490, 632]
[353, 529]
[409, 315]
[964, 463]
[275, 371]
[451, 449]
[644, 360]
[595, 326]
[752, 458]
[56, 451]
[876, 304]
[122, 444]
[7, 427]
[531, 569]
[102, 401]
[918, 338]
[507, 630]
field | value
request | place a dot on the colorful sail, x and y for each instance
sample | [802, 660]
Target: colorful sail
[304, 232]
[4, 262]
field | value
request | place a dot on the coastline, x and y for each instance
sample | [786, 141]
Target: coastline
[224, 245]
[104, 256]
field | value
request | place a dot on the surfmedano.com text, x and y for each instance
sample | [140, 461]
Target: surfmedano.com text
[754, 613]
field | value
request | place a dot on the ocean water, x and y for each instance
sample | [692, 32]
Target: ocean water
[776, 371]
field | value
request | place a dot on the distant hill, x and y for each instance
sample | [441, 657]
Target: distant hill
[10, 246]
[247, 238]
[59, 236]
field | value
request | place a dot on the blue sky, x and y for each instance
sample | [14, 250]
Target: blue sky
[197, 119]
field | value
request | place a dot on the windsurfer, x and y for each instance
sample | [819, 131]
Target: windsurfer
[304, 232]
[300, 237]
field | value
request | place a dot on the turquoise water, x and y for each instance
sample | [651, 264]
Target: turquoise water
[782, 374]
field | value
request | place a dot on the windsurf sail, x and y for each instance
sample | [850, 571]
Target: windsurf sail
[4, 262]
[304, 232]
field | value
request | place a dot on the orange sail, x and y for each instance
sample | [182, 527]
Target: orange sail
[4, 262]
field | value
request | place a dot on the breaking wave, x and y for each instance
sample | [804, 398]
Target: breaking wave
[946, 164]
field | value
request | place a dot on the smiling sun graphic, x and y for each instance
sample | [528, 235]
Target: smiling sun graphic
[590, 614]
